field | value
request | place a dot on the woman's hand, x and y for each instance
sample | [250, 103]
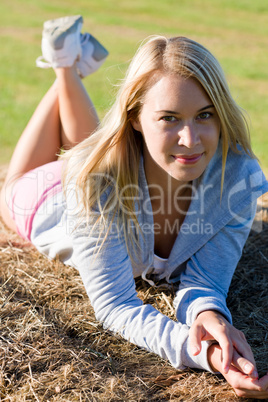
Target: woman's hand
[211, 325]
[243, 385]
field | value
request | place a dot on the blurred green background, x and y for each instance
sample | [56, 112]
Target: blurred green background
[235, 31]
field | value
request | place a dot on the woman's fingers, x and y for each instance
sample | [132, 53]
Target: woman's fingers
[211, 325]
[264, 382]
[247, 387]
[244, 357]
[244, 365]
[243, 347]
[243, 385]
[227, 352]
[195, 337]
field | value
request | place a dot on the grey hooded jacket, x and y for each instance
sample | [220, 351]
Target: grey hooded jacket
[202, 260]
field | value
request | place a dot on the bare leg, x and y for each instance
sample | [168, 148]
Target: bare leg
[64, 117]
[38, 144]
[77, 113]
[40, 140]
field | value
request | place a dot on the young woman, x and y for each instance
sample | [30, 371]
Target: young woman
[165, 189]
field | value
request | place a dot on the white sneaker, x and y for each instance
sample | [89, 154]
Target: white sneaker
[61, 45]
[93, 55]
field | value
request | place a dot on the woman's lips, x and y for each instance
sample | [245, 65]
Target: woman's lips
[188, 159]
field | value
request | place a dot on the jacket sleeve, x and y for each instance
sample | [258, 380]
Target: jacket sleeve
[205, 282]
[108, 279]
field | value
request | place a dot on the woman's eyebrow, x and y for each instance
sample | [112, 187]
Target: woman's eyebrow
[205, 107]
[174, 112]
[166, 111]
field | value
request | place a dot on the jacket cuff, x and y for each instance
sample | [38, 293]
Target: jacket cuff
[204, 304]
[201, 360]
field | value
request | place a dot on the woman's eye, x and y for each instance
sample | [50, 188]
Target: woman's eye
[204, 116]
[169, 119]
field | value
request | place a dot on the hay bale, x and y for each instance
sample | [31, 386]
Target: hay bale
[53, 349]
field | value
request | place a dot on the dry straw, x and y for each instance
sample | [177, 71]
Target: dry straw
[53, 349]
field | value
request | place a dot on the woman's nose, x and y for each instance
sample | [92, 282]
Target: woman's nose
[188, 135]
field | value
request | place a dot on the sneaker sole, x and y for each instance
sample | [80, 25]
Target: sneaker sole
[56, 34]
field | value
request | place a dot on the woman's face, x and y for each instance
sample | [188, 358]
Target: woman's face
[180, 129]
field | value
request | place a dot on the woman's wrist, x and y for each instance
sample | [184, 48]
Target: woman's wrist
[214, 357]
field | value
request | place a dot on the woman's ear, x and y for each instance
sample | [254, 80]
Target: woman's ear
[136, 125]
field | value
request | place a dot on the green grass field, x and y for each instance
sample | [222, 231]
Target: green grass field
[235, 31]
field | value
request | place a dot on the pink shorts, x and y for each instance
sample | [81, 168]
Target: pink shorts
[30, 191]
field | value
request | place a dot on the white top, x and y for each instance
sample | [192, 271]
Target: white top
[159, 265]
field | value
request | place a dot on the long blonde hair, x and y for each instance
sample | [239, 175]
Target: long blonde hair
[108, 161]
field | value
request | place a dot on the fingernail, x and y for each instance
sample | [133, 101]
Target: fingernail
[247, 368]
[255, 374]
[195, 350]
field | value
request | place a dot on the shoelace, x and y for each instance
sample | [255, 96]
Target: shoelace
[84, 38]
